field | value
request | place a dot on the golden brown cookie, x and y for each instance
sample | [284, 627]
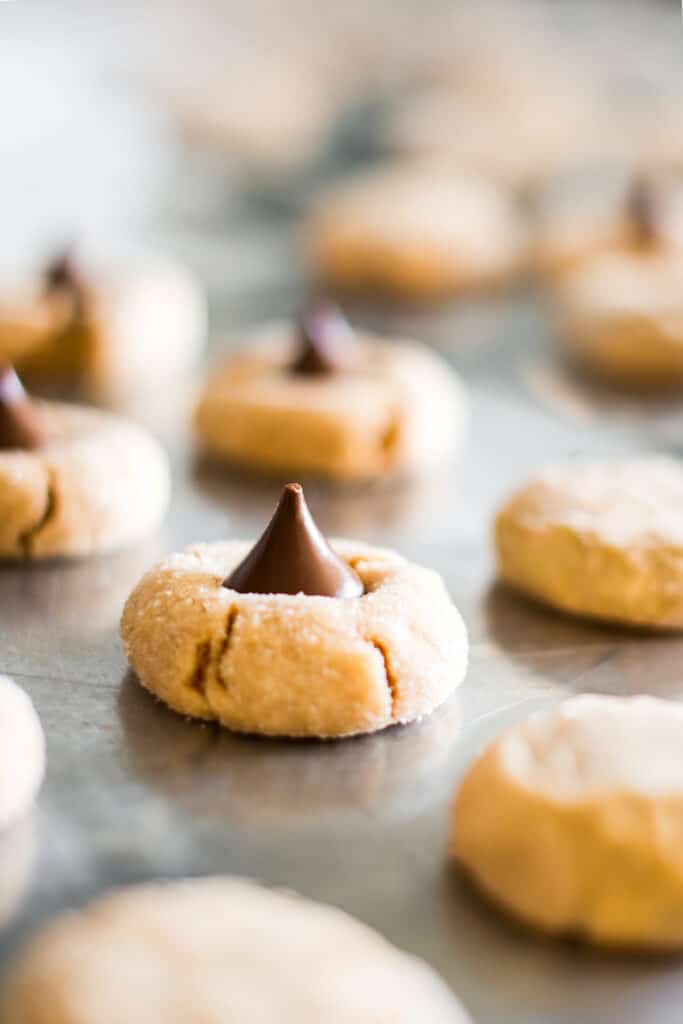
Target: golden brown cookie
[295, 638]
[106, 330]
[398, 408]
[603, 540]
[417, 231]
[573, 821]
[82, 482]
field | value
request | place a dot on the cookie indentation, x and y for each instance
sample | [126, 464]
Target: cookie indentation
[392, 684]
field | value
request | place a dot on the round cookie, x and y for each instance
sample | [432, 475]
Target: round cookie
[294, 638]
[417, 231]
[109, 330]
[516, 140]
[398, 408]
[578, 221]
[22, 752]
[621, 317]
[218, 949]
[573, 821]
[73, 480]
[603, 540]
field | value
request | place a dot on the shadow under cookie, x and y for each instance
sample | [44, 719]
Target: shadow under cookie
[216, 773]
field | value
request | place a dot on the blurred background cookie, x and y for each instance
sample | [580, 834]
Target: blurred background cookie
[104, 330]
[318, 398]
[415, 231]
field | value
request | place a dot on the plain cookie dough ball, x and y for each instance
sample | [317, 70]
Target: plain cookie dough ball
[74, 480]
[603, 540]
[415, 231]
[294, 637]
[218, 949]
[516, 140]
[398, 408]
[286, 123]
[22, 752]
[573, 821]
[108, 330]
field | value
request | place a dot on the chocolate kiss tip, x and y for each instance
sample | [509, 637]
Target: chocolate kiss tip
[293, 557]
[325, 341]
[20, 426]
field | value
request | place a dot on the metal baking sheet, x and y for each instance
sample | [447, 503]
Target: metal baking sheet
[135, 792]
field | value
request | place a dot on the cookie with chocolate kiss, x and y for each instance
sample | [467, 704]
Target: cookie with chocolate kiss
[105, 329]
[317, 398]
[73, 480]
[294, 635]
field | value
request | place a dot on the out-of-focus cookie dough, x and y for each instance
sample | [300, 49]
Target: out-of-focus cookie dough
[418, 231]
[22, 752]
[573, 821]
[218, 949]
[400, 409]
[603, 540]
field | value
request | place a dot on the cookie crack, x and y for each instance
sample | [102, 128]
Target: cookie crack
[225, 643]
[197, 680]
[392, 684]
[27, 538]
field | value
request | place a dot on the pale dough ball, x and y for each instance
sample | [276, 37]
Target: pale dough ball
[516, 140]
[621, 316]
[295, 665]
[98, 483]
[603, 540]
[142, 323]
[219, 949]
[402, 410]
[573, 821]
[22, 752]
[417, 231]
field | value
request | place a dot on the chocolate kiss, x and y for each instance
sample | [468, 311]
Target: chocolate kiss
[293, 557]
[645, 208]
[325, 342]
[63, 275]
[20, 426]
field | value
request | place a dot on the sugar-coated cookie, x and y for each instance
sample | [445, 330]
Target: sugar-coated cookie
[573, 821]
[218, 949]
[106, 330]
[601, 539]
[73, 480]
[295, 638]
[378, 407]
[22, 752]
[418, 231]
